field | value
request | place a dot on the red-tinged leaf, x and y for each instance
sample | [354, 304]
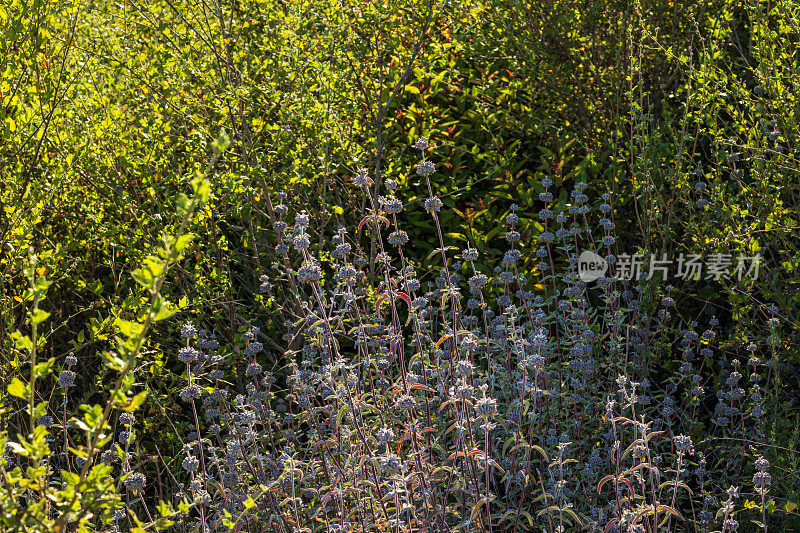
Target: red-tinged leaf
[670, 510]
[494, 463]
[379, 301]
[451, 428]
[603, 482]
[630, 486]
[611, 523]
[444, 338]
[454, 455]
[440, 250]
[422, 387]
[404, 296]
[372, 218]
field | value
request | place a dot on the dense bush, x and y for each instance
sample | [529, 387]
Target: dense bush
[354, 233]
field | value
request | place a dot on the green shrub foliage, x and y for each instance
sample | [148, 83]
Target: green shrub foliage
[304, 266]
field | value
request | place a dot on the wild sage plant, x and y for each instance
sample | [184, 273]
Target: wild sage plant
[426, 395]
[433, 396]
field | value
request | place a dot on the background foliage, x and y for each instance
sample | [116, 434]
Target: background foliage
[109, 111]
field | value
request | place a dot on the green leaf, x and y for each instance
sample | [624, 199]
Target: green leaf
[17, 388]
[128, 329]
[222, 142]
[70, 477]
[23, 342]
[165, 509]
[93, 415]
[42, 285]
[152, 268]
[113, 361]
[183, 203]
[40, 410]
[39, 316]
[135, 402]
[182, 242]
[202, 189]
[44, 368]
[17, 448]
[163, 312]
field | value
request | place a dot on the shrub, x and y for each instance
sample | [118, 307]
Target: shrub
[414, 345]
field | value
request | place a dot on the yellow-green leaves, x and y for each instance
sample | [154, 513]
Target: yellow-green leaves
[202, 189]
[44, 368]
[222, 142]
[162, 309]
[17, 388]
[39, 316]
[22, 342]
[174, 247]
[135, 402]
[92, 418]
[182, 242]
[129, 329]
[151, 269]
